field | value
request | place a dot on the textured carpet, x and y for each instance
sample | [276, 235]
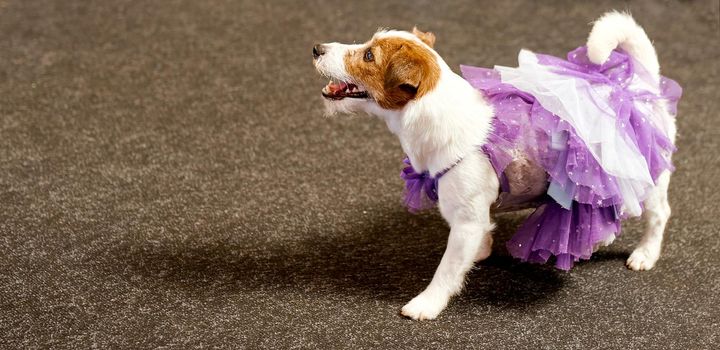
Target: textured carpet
[167, 180]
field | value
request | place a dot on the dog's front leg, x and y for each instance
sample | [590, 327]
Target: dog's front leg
[466, 194]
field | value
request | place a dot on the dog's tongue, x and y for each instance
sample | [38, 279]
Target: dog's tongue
[333, 87]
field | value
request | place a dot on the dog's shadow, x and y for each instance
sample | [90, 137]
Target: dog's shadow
[374, 260]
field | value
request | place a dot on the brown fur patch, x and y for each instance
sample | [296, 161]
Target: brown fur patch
[402, 70]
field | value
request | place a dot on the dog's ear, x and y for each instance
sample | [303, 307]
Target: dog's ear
[426, 37]
[402, 80]
[410, 73]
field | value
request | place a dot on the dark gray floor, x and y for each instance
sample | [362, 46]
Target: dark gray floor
[167, 179]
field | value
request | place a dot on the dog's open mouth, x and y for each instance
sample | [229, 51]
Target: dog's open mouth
[340, 90]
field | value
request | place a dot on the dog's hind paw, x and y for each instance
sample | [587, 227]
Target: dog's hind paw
[643, 258]
[424, 307]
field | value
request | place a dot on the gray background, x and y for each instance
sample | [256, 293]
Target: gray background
[167, 179]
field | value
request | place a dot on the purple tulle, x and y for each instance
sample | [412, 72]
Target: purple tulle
[569, 235]
[590, 214]
[618, 72]
[522, 125]
[583, 206]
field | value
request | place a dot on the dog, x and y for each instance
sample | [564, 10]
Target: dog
[441, 119]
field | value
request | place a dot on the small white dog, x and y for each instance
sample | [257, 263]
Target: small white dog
[441, 120]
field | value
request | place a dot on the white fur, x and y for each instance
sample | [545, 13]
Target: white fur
[448, 124]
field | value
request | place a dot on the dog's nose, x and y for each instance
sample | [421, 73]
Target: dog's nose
[318, 50]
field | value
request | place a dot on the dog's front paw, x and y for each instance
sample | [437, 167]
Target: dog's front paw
[424, 307]
[643, 258]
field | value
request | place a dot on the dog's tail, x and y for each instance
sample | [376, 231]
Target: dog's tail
[619, 29]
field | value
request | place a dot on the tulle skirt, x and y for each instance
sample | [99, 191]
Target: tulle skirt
[596, 132]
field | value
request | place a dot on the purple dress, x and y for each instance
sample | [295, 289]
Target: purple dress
[582, 143]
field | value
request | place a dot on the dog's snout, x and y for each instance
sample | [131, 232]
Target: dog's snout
[318, 50]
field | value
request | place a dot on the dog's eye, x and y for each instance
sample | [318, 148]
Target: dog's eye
[368, 56]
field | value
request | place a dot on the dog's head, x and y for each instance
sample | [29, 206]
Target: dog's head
[389, 71]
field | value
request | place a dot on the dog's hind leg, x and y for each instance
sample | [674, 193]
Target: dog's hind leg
[656, 207]
[656, 215]
[485, 248]
[466, 194]
[619, 29]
